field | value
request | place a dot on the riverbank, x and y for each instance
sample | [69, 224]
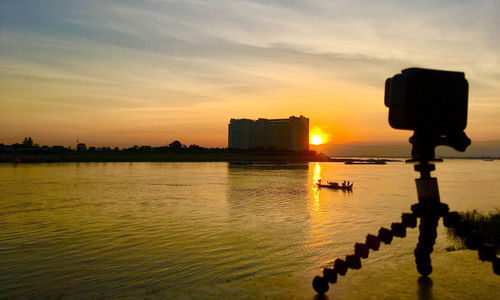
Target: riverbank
[161, 157]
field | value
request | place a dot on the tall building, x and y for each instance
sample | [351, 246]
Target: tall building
[290, 134]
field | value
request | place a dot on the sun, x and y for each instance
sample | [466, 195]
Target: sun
[317, 136]
[316, 140]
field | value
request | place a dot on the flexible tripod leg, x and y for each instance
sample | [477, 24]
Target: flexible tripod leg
[428, 209]
[425, 244]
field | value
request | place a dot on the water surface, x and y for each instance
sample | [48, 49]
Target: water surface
[119, 229]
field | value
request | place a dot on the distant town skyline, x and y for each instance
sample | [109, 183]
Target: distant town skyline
[355, 149]
[151, 72]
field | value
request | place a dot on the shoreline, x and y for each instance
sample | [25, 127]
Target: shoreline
[162, 157]
[230, 157]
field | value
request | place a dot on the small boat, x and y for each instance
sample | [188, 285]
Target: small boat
[335, 185]
[366, 162]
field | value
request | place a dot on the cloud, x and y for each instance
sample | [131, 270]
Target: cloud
[101, 57]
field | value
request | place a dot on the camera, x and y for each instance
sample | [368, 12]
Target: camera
[430, 101]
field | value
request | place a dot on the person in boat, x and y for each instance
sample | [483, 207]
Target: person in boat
[343, 184]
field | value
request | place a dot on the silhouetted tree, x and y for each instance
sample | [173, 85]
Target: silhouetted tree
[28, 142]
[58, 149]
[145, 148]
[175, 145]
[194, 146]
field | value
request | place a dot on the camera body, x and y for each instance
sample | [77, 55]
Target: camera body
[425, 100]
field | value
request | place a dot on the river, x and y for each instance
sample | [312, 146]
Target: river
[109, 230]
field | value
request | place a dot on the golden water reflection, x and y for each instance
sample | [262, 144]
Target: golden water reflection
[315, 188]
[317, 235]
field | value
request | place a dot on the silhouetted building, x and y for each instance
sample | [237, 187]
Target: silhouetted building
[81, 147]
[290, 134]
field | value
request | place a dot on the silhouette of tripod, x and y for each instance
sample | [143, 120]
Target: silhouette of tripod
[429, 208]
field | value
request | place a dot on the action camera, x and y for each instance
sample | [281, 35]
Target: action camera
[425, 100]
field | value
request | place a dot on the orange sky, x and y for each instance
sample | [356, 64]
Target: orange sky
[150, 72]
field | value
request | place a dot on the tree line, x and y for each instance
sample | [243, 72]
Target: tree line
[28, 146]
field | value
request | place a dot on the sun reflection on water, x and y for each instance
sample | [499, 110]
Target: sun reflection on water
[317, 235]
[315, 188]
[317, 172]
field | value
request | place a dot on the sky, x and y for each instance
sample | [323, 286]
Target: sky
[147, 72]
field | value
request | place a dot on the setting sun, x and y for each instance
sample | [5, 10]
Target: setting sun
[318, 136]
[316, 140]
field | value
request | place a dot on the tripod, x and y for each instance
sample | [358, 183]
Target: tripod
[429, 209]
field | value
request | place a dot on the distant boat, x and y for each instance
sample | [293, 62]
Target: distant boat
[366, 162]
[334, 185]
